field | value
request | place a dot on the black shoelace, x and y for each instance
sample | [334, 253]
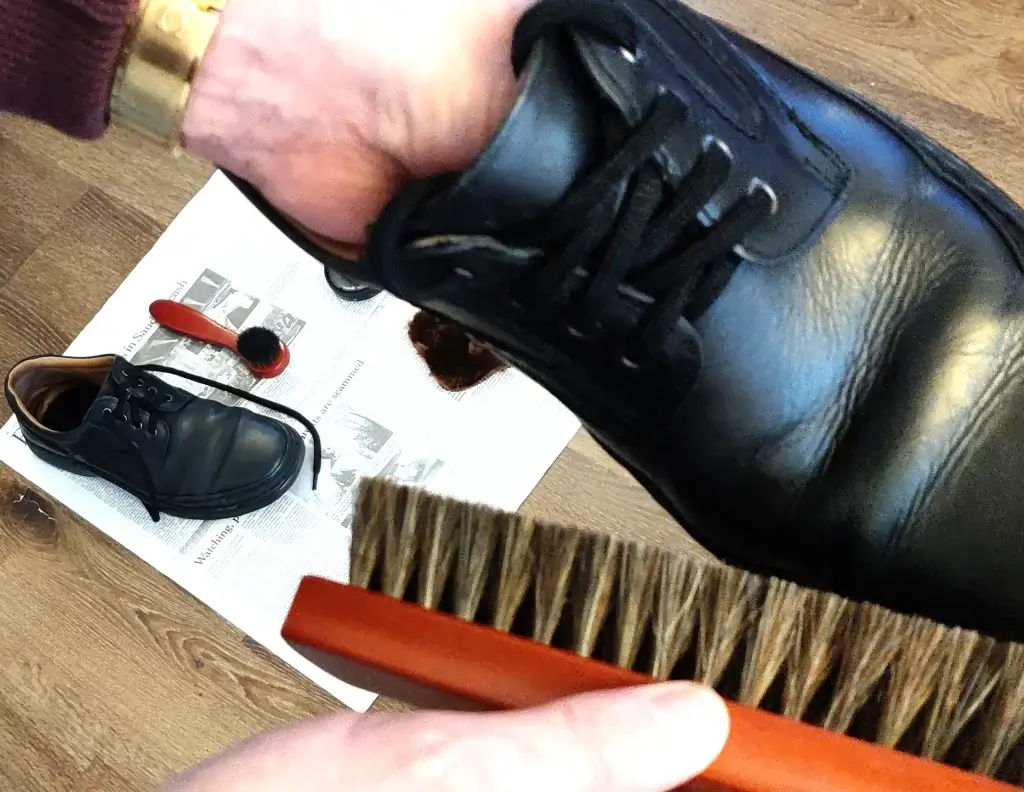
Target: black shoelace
[651, 240]
[140, 405]
[621, 224]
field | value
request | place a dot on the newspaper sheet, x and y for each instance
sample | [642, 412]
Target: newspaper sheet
[353, 373]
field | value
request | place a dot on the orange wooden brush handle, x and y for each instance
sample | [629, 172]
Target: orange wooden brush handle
[487, 669]
[192, 323]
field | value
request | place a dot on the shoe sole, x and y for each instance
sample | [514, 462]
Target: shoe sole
[294, 456]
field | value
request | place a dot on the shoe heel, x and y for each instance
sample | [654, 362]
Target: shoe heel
[61, 461]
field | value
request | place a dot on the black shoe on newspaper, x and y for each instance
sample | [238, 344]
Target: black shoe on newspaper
[181, 455]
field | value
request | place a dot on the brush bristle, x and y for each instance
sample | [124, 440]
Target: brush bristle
[259, 346]
[902, 681]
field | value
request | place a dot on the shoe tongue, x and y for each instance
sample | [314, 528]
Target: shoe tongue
[551, 136]
[110, 391]
[120, 371]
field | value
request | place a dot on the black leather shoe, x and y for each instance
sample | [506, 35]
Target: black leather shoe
[797, 320]
[179, 454]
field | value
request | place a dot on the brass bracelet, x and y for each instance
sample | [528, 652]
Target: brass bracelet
[164, 45]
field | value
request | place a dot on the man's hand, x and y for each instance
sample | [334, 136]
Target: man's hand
[327, 106]
[647, 739]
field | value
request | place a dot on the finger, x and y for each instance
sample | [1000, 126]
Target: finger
[646, 739]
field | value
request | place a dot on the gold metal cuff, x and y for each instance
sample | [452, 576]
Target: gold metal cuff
[164, 45]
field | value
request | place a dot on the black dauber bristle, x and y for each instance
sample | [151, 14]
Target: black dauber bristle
[259, 346]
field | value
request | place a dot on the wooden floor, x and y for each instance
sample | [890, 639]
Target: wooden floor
[110, 676]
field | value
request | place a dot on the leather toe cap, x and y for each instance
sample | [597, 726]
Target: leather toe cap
[265, 454]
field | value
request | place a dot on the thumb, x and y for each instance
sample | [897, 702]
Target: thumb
[646, 739]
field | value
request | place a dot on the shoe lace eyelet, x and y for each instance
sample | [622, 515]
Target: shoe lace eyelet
[137, 426]
[151, 391]
[760, 186]
[631, 360]
[710, 142]
[122, 419]
[167, 398]
[151, 433]
[576, 333]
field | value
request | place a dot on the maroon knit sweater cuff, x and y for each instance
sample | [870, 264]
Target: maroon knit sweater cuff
[57, 61]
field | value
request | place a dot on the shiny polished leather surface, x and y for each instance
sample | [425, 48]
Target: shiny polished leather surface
[206, 460]
[849, 412]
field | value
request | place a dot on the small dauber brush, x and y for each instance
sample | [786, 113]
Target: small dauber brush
[260, 348]
[828, 695]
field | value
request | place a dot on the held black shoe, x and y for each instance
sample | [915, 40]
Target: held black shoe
[797, 320]
[179, 454]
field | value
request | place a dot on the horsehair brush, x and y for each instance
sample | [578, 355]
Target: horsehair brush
[455, 604]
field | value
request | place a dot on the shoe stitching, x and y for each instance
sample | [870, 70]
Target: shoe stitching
[702, 37]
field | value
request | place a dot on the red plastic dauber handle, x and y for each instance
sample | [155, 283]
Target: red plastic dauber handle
[192, 323]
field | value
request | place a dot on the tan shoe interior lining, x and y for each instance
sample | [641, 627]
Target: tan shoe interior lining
[36, 383]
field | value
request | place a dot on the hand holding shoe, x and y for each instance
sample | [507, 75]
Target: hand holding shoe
[327, 108]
